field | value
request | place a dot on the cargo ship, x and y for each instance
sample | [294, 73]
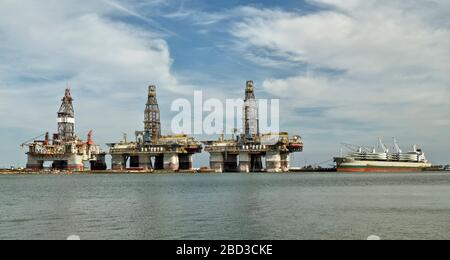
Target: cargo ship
[364, 159]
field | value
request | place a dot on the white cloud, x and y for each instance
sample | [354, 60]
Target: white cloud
[199, 18]
[46, 44]
[383, 64]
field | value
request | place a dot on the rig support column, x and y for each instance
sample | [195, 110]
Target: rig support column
[256, 163]
[75, 162]
[231, 163]
[159, 162]
[285, 162]
[100, 163]
[217, 162]
[34, 164]
[244, 162]
[186, 161]
[118, 162]
[134, 161]
[145, 162]
[273, 162]
[171, 162]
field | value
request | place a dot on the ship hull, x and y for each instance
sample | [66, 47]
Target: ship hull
[378, 169]
[349, 165]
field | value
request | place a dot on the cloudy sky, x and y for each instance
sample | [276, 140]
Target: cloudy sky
[346, 71]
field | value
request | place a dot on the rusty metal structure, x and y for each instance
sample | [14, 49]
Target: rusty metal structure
[246, 152]
[250, 112]
[65, 150]
[152, 151]
[152, 120]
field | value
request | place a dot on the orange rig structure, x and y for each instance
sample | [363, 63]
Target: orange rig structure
[65, 150]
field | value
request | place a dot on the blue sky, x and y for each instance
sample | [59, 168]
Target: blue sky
[346, 71]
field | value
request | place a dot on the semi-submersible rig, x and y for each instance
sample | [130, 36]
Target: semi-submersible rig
[152, 151]
[65, 150]
[246, 152]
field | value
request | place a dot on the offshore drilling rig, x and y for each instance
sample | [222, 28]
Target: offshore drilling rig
[245, 153]
[65, 150]
[151, 150]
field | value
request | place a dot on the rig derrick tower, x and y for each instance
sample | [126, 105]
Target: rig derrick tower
[250, 118]
[66, 118]
[152, 118]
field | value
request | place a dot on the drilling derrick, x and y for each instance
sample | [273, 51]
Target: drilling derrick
[251, 122]
[152, 119]
[66, 118]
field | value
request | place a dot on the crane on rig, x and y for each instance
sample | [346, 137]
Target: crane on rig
[89, 136]
[34, 139]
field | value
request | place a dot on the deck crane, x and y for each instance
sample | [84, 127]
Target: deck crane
[397, 147]
[34, 139]
[382, 145]
[89, 140]
[358, 148]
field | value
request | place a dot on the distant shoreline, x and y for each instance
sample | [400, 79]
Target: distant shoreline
[109, 172]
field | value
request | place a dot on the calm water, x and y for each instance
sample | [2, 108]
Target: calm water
[229, 206]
